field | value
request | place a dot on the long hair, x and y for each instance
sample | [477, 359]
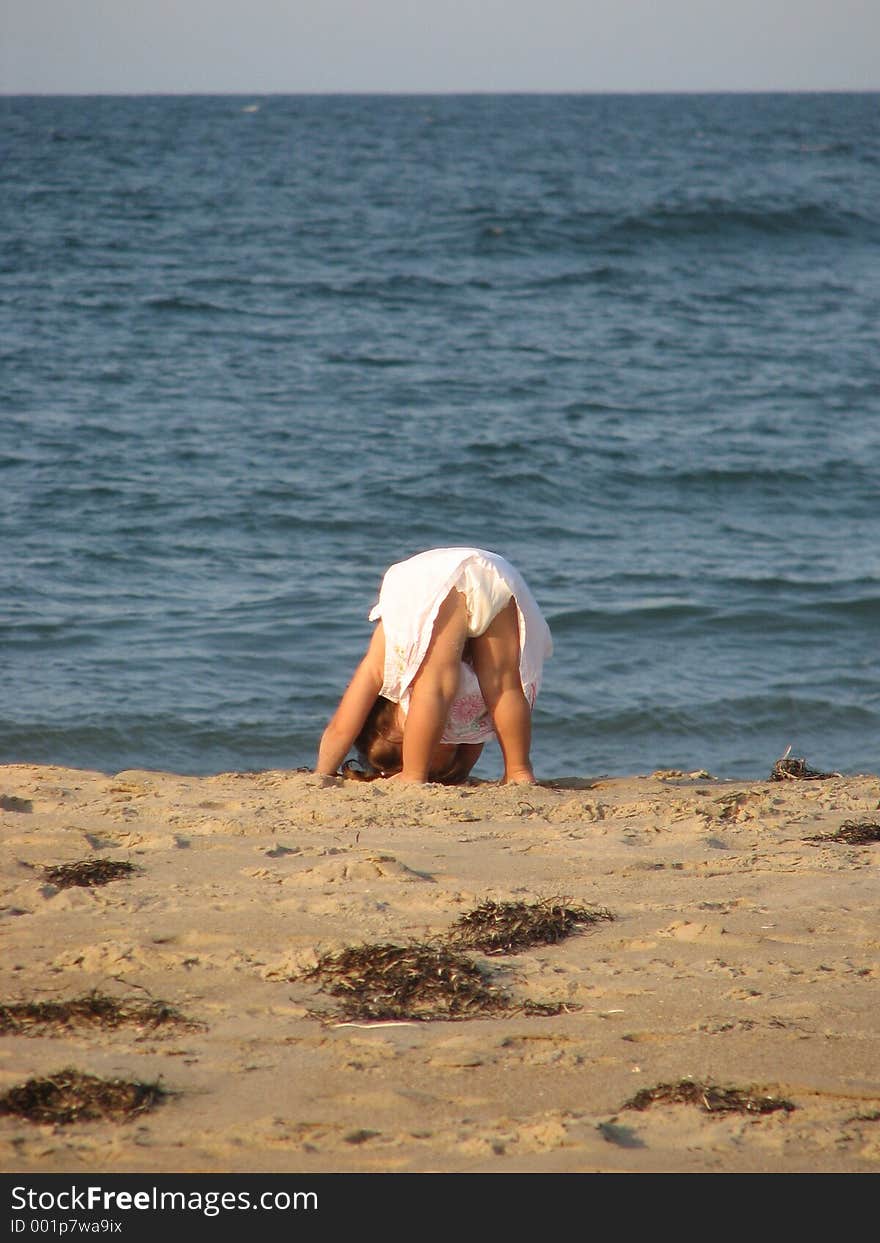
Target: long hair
[381, 756]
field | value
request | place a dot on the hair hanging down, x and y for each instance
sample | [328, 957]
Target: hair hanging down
[382, 756]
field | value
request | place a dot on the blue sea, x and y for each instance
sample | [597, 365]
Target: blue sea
[256, 349]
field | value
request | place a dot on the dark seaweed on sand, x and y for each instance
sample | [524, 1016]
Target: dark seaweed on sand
[794, 769]
[93, 1009]
[505, 927]
[87, 872]
[11, 802]
[69, 1096]
[406, 982]
[851, 833]
[713, 1100]
[435, 980]
[413, 982]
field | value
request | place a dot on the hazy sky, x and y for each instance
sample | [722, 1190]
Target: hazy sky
[255, 46]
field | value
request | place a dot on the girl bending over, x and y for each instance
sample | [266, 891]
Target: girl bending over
[456, 657]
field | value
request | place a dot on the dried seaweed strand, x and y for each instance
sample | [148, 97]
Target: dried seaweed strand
[435, 980]
[410, 982]
[851, 833]
[417, 982]
[93, 1009]
[504, 927]
[709, 1097]
[69, 1096]
[87, 872]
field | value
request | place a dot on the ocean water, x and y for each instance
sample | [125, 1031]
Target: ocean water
[254, 350]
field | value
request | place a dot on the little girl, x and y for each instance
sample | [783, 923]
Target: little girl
[456, 657]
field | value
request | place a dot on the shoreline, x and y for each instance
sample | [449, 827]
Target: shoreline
[740, 954]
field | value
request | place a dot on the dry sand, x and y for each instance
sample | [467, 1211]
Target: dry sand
[740, 955]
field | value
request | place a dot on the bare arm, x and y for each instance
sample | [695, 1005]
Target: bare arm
[349, 717]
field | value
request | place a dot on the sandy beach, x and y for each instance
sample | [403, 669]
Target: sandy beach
[739, 955]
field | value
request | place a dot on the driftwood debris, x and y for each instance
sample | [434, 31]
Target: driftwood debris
[797, 769]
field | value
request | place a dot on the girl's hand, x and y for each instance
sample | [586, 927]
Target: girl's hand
[348, 719]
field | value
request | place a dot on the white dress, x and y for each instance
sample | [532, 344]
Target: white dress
[409, 599]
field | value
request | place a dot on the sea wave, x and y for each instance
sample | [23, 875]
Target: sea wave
[718, 218]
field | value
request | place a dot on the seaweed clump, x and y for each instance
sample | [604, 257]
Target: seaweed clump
[851, 832]
[406, 982]
[11, 802]
[505, 927]
[69, 1096]
[712, 1099]
[795, 769]
[417, 982]
[93, 1009]
[87, 872]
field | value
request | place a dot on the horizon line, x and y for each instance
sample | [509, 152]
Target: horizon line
[434, 94]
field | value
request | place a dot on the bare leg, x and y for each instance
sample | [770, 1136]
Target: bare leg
[496, 664]
[434, 688]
